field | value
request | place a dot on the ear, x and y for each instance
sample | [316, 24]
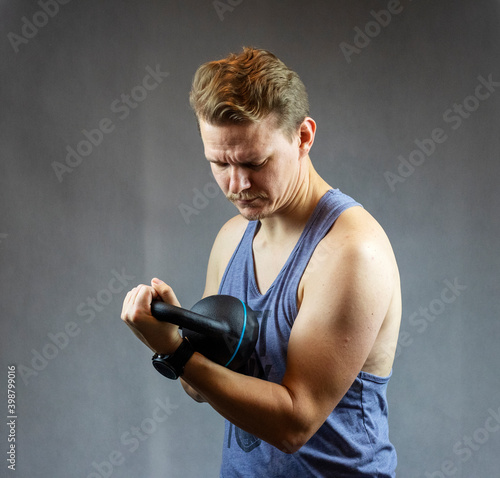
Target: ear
[307, 132]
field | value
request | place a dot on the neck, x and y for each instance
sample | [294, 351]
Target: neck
[290, 220]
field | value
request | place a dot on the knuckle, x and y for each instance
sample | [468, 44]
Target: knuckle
[138, 315]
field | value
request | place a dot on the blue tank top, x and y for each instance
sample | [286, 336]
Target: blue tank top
[354, 440]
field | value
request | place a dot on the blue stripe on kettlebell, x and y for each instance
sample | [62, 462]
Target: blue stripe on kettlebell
[242, 334]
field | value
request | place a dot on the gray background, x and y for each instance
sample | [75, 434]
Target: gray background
[121, 211]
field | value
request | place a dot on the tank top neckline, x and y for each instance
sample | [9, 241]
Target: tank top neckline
[255, 225]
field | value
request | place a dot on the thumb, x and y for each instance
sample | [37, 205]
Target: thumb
[165, 292]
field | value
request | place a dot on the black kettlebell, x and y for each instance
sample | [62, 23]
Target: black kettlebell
[220, 327]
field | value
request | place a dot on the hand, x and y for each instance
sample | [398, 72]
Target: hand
[160, 337]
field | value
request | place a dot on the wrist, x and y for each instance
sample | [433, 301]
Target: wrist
[172, 347]
[172, 365]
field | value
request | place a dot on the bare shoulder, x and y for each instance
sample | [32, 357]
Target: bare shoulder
[355, 259]
[356, 228]
[357, 233]
[228, 239]
[360, 245]
[359, 224]
[224, 245]
[355, 237]
[364, 248]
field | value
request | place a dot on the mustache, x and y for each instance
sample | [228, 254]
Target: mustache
[245, 196]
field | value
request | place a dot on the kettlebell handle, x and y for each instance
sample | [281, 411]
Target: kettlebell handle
[187, 319]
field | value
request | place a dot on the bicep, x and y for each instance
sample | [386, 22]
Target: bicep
[342, 310]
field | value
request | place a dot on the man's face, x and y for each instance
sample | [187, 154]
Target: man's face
[257, 167]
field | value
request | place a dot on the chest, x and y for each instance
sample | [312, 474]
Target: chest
[268, 261]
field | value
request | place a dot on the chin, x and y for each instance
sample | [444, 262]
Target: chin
[253, 214]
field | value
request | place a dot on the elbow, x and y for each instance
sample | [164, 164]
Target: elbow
[297, 429]
[292, 445]
[292, 441]
[290, 449]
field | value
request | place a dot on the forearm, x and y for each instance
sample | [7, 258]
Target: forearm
[262, 408]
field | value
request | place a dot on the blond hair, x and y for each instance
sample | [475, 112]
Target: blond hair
[246, 88]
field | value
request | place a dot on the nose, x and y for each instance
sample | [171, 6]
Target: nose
[238, 180]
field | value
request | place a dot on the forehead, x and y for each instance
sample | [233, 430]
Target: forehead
[240, 141]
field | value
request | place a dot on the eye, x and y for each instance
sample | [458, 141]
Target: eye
[257, 166]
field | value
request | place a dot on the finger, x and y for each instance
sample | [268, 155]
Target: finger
[125, 304]
[165, 292]
[144, 298]
[128, 302]
[128, 298]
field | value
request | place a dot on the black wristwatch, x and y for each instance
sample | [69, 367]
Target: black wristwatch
[172, 366]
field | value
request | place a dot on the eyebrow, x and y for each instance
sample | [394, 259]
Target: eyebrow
[251, 161]
[214, 160]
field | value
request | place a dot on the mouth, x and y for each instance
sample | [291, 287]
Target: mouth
[244, 200]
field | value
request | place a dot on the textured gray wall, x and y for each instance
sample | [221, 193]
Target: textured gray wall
[140, 202]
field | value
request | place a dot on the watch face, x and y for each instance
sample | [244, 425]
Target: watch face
[165, 368]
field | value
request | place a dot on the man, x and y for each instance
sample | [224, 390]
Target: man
[317, 268]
